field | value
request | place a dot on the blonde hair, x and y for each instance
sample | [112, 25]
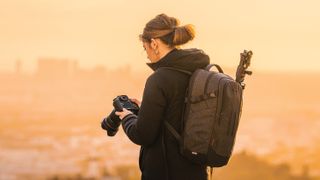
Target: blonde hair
[167, 29]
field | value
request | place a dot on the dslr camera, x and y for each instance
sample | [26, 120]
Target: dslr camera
[112, 122]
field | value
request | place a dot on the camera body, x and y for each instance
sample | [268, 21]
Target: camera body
[112, 122]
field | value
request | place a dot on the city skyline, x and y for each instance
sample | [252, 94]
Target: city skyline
[44, 64]
[284, 36]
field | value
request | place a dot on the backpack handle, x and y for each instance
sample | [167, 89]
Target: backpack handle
[216, 65]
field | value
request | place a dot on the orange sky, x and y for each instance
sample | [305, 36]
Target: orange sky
[284, 35]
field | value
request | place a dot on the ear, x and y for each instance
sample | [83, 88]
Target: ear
[154, 44]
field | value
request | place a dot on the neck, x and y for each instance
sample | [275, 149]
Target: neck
[164, 51]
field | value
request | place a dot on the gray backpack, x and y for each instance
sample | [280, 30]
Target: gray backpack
[211, 117]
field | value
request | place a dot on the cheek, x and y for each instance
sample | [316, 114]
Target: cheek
[149, 54]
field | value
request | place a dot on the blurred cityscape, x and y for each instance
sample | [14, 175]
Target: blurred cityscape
[50, 124]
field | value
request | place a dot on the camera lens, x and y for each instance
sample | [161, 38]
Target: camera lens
[124, 98]
[111, 124]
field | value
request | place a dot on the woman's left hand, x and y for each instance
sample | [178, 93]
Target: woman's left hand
[123, 113]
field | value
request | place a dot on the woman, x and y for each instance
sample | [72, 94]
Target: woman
[163, 99]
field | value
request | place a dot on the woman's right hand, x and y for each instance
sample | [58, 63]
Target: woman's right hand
[136, 101]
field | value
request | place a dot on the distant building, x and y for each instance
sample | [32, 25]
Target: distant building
[18, 66]
[56, 68]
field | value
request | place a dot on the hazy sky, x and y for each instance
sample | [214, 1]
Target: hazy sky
[283, 34]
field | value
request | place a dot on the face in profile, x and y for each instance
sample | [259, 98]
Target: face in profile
[150, 52]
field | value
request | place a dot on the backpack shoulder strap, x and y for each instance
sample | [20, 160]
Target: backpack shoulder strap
[166, 123]
[172, 130]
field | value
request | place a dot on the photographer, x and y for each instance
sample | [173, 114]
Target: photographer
[163, 99]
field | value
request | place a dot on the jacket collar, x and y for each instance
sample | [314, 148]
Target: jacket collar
[163, 61]
[185, 59]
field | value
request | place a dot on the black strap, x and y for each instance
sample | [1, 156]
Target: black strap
[169, 127]
[173, 131]
[216, 65]
[177, 136]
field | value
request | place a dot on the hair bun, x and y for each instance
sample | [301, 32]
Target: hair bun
[183, 34]
[168, 30]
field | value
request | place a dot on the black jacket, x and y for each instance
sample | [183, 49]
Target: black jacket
[163, 99]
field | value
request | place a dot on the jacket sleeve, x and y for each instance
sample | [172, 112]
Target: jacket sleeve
[144, 128]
